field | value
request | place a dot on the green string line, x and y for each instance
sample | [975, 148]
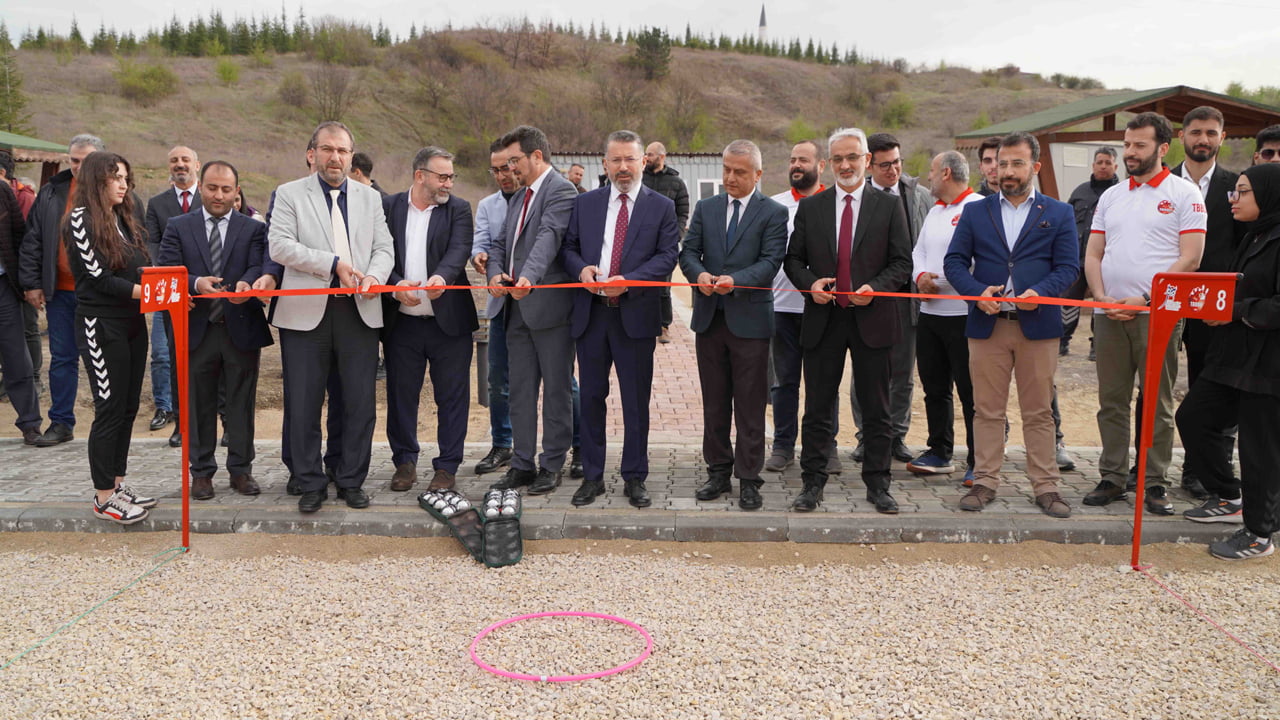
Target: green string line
[176, 552]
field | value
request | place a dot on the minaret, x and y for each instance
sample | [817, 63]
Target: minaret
[764, 26]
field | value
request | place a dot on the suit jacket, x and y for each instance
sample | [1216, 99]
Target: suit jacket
[1045, 258]
[1223, 234]
[753, 261]
[186, 243]
[160, 208]
[881, 258]
[301, 239]
[448, 249]
[536, 251]
[648, 253]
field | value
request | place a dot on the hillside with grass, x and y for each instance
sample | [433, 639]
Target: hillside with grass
[460, 89]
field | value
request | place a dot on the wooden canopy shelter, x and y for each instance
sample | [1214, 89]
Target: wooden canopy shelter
[29, 149]
[1074, 122]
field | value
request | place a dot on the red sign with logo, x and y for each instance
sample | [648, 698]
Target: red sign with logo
[1203, 296]
[163, 288]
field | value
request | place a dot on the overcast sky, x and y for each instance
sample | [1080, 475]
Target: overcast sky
[1135, 44]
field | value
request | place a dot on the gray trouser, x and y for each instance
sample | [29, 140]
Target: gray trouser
[1122, 353]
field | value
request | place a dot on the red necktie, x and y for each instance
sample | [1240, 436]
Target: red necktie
[619, 237]
[528, 193]
[186, 200]
[844, 252]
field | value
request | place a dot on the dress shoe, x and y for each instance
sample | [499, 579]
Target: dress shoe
[406, 475]
[1052, 504]
[175, 440]
[1103, 494]
[356, 497]
[977, 498]
[1194, 487]
[160, 419]
[575, 464]
[587, 493]
[1065, 462]
[883, 501]
[665, 337]
[310, 502]
[245, 484]
[57, 433]
[749, 496]
[202, 488]
[497, 457]
[713, 488]
[778, 462]
[859, 452]
[442, 480]
[545, 482]
[514, 478]
[637, 494]
[1157, 500]
[808, 499]
[31, 436]
[294, 486]
[901, 452]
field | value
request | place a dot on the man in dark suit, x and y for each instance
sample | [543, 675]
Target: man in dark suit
[1202, 133]
[851, 239]
[526, 252]
[181, 197]
[623, 231]
[428, 328]
[736, 238]
[1015, 244]
[222, 250]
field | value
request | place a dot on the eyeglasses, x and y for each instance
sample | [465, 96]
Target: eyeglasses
[329, 149]
[889, 164]
[1268, 153]
[500, 170]
[1234, 195]
[443, 177]
[622, 161]
[511, 161]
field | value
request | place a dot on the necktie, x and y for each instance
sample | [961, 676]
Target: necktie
[215, 264]
[844, 252]
[341, 242]
[619, 237]
[730, 236]
[524, 210]
[186, 200]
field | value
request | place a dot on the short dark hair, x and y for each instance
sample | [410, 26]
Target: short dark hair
[425, 154]
[1155, 121]
[991, 143]
[219, 163]
[1204, 112]
[496, 146]
[362, 162]
[1015, 139]
[1267, 135]
[530, 139]
[1105, 150]
[330, 125]
[623, 136]
[578, 165]
[6, 164]
[881, 142]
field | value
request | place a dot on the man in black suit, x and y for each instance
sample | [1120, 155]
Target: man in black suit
[623, 231]
[431, 230]
[850, 239]
[222, 250]
[736, 238]
[181, 197]
[1202, 133]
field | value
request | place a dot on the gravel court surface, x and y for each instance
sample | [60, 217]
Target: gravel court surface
[273, 627]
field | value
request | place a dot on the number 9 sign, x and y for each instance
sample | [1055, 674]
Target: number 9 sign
[161, 287]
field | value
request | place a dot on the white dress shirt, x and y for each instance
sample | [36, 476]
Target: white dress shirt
[611, 224]
[416, 225]
[728, 212]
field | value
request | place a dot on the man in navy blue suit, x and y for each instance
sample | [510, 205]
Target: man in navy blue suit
[1017, 244]
[623, 231]
[222, 250]
[428, 328]
[734, 248]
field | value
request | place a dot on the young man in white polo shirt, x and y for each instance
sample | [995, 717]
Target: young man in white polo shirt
[942, 351]
[1149, 225]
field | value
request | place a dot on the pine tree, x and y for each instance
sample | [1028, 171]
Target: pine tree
[13, 104]
[75, 38]
[6, 43]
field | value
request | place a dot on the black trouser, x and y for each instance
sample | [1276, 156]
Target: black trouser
[942, 356]
[733, 373]
[1205, 415]
[19, 377]
[1071, 313]
[215, 364]
[664, 304]
[31, 319]
[115, 354]
[788, 362]
[1196, 337]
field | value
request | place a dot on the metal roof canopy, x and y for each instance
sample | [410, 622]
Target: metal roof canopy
[1244, 119]
[29, 149]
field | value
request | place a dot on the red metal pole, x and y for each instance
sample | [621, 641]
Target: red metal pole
[179, 318]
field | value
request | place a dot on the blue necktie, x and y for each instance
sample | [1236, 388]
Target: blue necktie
[731, 236]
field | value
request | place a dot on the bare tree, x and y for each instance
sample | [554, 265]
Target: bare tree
[620, 97]
[687, 113]
[332, 91]
[484, 97]
[585, 50]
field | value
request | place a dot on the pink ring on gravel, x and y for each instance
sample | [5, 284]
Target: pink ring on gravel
[648, 648]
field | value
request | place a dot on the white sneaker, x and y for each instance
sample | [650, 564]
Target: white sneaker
[119, 510]
[133, 498]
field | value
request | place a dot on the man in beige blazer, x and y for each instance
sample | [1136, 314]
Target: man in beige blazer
[329, 233]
